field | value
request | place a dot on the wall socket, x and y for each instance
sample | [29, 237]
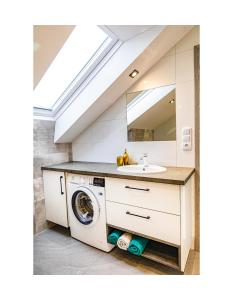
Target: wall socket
[187, 138]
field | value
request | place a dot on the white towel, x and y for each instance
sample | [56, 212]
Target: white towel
[124, 240]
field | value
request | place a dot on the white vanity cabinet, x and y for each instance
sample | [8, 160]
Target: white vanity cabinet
[159, 211]
[160, 208]
[55, 197]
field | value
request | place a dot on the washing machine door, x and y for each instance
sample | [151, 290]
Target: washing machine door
[85, 206]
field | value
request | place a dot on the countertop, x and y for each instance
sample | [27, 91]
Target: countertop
[173, 175]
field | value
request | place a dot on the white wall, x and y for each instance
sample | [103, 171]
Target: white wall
[107, 136]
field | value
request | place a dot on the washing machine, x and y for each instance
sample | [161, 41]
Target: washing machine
[87, 210]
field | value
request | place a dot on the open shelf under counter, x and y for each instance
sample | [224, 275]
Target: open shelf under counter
[158, 251]
[162, 253]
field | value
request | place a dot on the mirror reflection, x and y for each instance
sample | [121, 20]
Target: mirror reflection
[151, 114]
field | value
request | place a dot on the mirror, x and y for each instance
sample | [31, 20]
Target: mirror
[151, 114]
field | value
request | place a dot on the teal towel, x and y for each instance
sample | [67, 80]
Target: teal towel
[137, 245]
[114, 236]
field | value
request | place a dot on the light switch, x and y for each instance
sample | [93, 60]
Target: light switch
[186, 131]
[187, 138]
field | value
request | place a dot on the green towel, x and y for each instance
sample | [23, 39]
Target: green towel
[137, 245]
[114, 236]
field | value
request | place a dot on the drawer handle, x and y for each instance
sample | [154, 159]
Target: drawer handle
[61, 185]
[129, 213]
[133, 188]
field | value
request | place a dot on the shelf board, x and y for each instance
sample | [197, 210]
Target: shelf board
[155, 253]
[158, 251]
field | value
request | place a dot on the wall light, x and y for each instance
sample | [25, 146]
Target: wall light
[134, 73]
[172, 101]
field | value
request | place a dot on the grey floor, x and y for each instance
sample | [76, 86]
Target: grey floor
[57, 253]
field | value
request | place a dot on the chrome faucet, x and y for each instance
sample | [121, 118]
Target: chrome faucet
[145, 162]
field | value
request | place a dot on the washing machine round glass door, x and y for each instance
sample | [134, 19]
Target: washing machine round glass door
[85, 206]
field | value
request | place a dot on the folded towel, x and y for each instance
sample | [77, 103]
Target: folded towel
[137, 245]
[124, 240]
[114, 236]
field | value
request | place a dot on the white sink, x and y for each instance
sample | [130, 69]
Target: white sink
[141, 169]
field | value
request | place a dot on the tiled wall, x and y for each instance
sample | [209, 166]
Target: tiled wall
[107, 136]
[45, 153]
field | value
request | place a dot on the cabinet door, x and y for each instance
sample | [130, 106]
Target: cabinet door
[55, 197]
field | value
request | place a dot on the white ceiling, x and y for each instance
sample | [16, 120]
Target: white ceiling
[126, 32]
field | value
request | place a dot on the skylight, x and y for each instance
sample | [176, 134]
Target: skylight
[80, 54]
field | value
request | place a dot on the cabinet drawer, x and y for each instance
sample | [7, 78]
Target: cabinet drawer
[162, 226]
[156, 196]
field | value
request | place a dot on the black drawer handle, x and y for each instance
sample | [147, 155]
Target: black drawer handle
[133, 188]
[129, 213]
[61, 185]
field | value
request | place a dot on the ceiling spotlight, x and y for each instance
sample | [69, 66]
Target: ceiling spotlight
[134, 73]
[172, 101]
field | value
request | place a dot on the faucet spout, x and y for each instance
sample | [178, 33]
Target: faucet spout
[145, 162]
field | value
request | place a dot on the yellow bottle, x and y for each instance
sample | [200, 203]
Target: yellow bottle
[120, 161]
[126, 158]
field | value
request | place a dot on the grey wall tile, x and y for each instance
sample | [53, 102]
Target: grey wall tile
[45, 153]
[40, 217]
[48, 159]
[38, 189]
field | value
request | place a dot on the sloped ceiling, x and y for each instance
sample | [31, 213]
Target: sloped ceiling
[140, 52]
[48, 40]
[126, 32]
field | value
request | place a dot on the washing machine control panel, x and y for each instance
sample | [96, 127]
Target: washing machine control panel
[98, 181]
[86, 180]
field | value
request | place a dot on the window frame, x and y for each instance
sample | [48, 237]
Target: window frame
[107, 47]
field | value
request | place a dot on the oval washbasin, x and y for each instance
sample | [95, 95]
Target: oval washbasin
[141, 169]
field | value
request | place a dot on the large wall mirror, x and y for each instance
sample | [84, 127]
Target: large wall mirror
[151, 114]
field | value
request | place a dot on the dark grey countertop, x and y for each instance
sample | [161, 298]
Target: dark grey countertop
[173, 175]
